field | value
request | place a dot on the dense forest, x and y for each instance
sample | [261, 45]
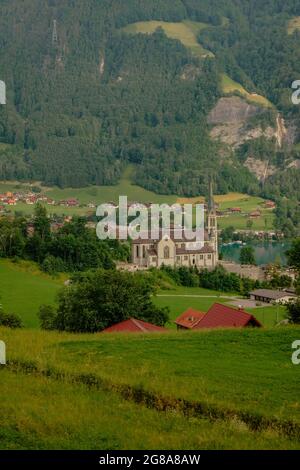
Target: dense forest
[88, 99]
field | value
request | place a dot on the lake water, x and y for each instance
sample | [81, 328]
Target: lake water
[265, 252]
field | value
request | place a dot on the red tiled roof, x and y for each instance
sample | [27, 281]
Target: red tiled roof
[222, 316]
[134, 326]
[189, 319]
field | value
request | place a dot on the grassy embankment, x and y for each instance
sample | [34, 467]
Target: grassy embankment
[23, 288]
[230, 86]
[240, 387]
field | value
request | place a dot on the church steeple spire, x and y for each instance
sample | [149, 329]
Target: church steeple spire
[212, 225]
[211, 202]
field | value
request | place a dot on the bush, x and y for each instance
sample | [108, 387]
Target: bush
[52, 265]
[294, 311]
[98, 299]
[219, 279]
[47, 316]
[247, 256]
[10, 320]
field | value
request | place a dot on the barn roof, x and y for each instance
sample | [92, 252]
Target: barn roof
[222, 316]
[189, 319]
[134, 326]
[270, 294]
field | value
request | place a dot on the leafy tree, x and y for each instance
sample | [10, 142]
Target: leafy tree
[219, 279]
[227, 234]
[98, 299]
[294, 255]
[10, 320]
[247, 256]
[293, 309]
[47, 317]
[41, 222]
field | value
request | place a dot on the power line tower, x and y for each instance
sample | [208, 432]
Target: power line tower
[54, 33]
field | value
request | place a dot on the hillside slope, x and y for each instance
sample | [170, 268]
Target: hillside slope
[85, 98]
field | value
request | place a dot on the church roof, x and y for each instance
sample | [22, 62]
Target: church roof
[204, 249]
[146, 238]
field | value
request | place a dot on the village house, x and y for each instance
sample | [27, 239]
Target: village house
[218, 316]
[255, 214]
[270, 205]
[168, 250]
[189, 319]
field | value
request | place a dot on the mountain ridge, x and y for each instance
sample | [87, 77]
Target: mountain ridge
[80, 109]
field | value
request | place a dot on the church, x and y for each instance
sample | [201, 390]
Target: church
[168, 251]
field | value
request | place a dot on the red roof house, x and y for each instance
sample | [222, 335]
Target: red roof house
[134, 326]
[189, 319]
[222, 316]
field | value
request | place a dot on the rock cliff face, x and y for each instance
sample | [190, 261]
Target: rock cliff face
[232, 110]
[261, 169]
[229, 119]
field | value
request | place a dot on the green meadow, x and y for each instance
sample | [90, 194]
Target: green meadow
[230, 86]
[221, 389]
[23, 288]
[240, 222]
[186, 32]
[62, 416]
[104, 194]
[247, 204]
[240, 388]
[91, 194]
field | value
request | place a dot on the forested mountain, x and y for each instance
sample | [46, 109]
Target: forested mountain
[86, 98]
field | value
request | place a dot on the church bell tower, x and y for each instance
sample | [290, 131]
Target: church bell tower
[212, 226]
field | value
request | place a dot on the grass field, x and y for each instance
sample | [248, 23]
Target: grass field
[294, 25]
[92, 194]
[181, 298]
[247, 204]
[23, 288]
[186, 32]
[229, 86]
[239, 222]
[104, 194]
[63, 417]
[240, 378]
